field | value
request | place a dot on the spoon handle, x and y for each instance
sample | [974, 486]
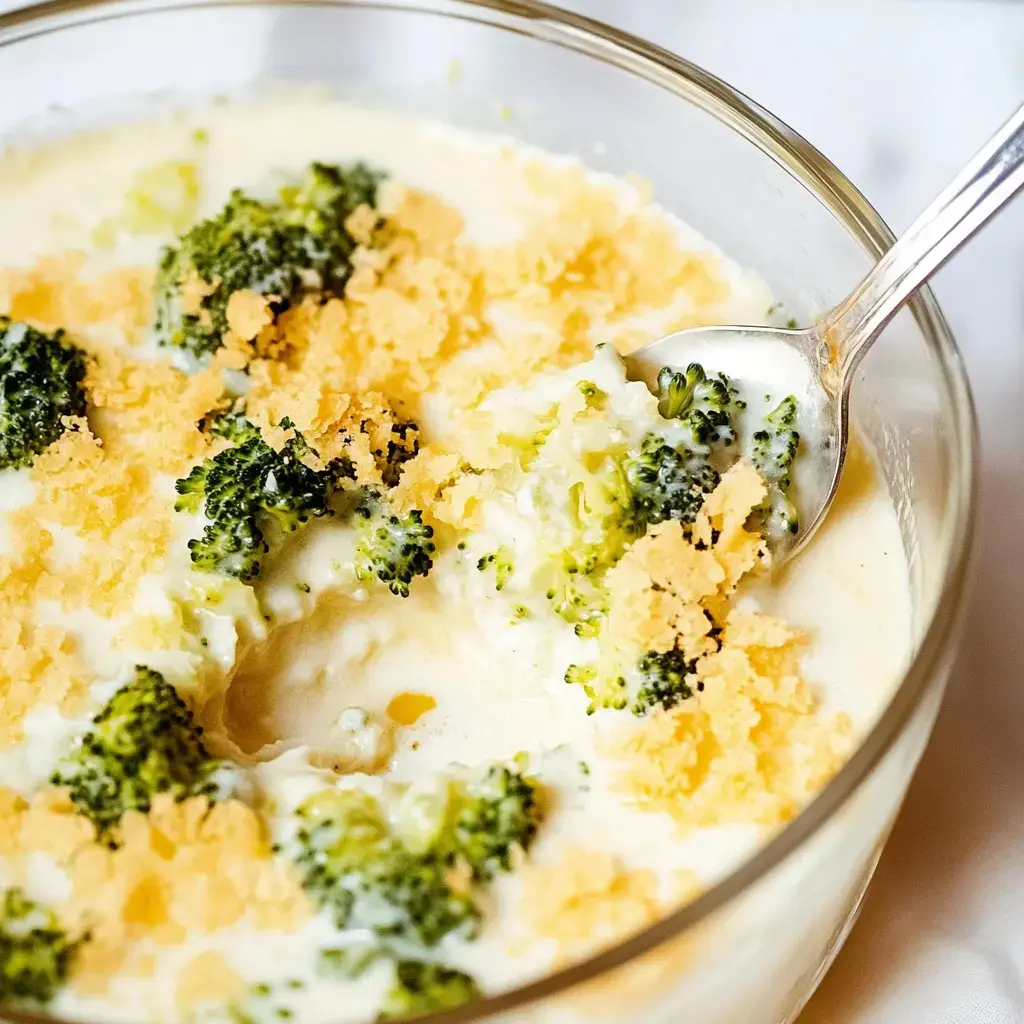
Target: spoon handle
[979, 191]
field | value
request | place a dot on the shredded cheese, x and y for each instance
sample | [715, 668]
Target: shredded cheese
[184, 868]
[586, 899]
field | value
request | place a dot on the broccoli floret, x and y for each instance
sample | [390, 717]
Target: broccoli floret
[604, 685]
[774, 447]
[34, 950]
[244, 247]
[595, 397]
[602, 526]
[40, 384]
[354, 865]
[580, 599]
[500, 814]
[143, 742]
[248, 489]
[501, 562]
[234, 427]
[160, 198]
[408, 896]
[601, 511]
[622, 493]
[390, 548]
[320, 206]
[423, 987]
[397, 881]
[281, 249]
[660, 679]
[667, 483]
[705, 405]
[664, 676]
[403, 445]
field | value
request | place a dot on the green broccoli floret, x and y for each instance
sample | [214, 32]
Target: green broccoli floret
[664, 680]
[396, 880]
[403, 445]
[282, 249]
[34, 950]
[580, 599]
[40, 384]
[706, 405]
[248, 489]
[501, 562]
[660, 679]
[601, 511]
[667, 483]
[391, 549]
[602, 526]
[621, 493]
[354, 865]
[407, 896]
[774, 447]
[234, 427]
[423, 987]
[499, 814]
[143, 742]
[603, 684]
[245, 246]
[320, 205]
[595, 397]
[666, 477]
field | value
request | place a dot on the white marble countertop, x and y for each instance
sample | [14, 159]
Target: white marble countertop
[904, 92]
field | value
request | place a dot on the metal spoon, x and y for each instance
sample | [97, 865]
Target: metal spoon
[816, 364]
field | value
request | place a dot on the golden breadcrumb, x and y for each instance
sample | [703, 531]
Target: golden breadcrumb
[586, 899]
[249, 314]
[187, 867]
[207, 978]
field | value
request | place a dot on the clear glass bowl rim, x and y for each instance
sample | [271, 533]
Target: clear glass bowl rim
[773, 137]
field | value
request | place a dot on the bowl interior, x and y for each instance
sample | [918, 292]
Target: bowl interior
[734, 173]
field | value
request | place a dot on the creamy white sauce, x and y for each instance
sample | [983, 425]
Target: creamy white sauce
[16, 491]
[335, 645]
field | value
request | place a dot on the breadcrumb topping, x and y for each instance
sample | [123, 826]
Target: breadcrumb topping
[586, 899]
[750, 746]
[59, 291]
[185, 868]
[249, 314]
[207, 978]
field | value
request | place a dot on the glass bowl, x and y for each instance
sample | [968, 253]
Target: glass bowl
[751, 949]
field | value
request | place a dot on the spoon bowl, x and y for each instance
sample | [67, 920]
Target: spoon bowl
[772, 363]
[816, 364]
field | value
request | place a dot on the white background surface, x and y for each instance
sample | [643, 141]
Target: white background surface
[899, 93]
